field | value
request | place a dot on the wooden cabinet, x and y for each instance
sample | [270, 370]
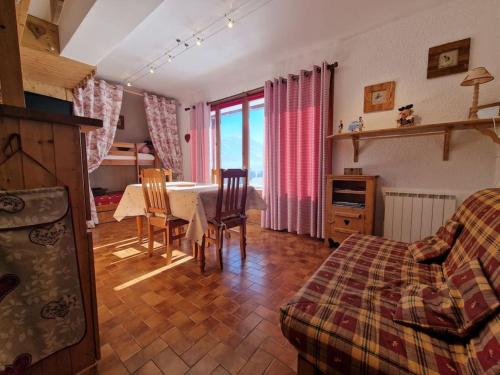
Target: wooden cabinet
[350, 207]
[58, 144]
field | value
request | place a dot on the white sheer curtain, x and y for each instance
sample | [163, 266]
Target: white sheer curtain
[199, 130]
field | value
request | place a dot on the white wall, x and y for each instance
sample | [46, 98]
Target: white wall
[398, 51]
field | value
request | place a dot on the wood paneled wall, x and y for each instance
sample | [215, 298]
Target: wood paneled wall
[59, 148]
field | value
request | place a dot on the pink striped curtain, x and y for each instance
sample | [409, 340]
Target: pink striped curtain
[101, 100]
[199, 130]
[296, 122]
[161, 115]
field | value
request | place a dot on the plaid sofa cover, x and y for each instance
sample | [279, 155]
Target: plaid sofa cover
[342, 319]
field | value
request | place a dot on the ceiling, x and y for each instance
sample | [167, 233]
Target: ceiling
[271, 33]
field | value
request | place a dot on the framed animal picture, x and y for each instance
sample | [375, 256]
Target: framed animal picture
[379, 97]
[449, 58]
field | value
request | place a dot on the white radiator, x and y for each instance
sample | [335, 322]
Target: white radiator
[411, 216]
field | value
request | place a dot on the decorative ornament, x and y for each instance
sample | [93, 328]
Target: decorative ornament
[406, 117]
[341, 127]
[356, 125]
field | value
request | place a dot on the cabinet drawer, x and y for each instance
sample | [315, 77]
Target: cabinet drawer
[340, 234]
[354, 222]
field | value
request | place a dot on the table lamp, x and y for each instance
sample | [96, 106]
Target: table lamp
[474, 78]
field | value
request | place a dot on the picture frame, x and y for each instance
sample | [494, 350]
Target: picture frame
[486, 111]
[379, 97]
[448, 58]
[121, 122]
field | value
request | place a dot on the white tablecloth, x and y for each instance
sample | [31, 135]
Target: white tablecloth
[192, 203]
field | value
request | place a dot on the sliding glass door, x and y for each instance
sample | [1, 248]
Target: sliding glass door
[238, 137]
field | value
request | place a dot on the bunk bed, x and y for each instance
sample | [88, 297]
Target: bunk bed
[122, 154]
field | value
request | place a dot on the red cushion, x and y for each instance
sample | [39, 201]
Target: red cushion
[476, 299]
[429, 248]
[427, 308]
[449, 232]
[457, 308]
[438, 245]
[112, 198]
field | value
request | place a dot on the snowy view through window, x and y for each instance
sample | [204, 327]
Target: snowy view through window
[231, 129]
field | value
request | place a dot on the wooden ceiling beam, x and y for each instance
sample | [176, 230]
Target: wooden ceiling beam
[11, 76]
[41, 35]
[41, 61]
[22, 13]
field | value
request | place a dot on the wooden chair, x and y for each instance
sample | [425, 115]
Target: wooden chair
[169, 174]
[138, 219]
[158, 210]
[230, 209]
[214, 176]
[214, 179]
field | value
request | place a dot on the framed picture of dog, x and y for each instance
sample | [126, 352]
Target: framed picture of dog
[449, 58]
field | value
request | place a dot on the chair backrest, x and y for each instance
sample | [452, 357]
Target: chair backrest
[169, 174]
[232, 196]
[155, 191]
[214, 176]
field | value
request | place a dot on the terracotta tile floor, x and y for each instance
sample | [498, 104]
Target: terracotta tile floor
[172, 320]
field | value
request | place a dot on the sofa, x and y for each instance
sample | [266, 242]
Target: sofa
[341, 321]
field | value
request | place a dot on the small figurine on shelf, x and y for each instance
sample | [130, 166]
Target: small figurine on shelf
[406, 117]
[341, 126]
[356, 126]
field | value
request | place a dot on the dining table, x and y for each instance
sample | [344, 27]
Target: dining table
[193, 202]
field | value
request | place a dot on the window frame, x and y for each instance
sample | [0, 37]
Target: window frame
[245, 103]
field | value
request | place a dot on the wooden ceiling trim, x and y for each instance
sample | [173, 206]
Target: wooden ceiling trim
[22, 14]
[41, 62]
[10, 64]
[52, 69]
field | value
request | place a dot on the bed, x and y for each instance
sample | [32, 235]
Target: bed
[125, 153]
[106, 205]
[122, 154]
[342, 320]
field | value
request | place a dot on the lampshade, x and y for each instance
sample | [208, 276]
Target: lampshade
[477, 75]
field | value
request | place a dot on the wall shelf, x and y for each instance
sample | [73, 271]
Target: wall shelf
[484, 126]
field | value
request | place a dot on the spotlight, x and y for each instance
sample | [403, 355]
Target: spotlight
[170, 58]
[198, 41]
[230, 23]
[151, 70]
[129, 84]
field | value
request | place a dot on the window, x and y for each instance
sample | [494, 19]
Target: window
[231, 137]
[256, 143]
[237, 136]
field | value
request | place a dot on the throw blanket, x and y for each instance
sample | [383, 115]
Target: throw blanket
[41, 308]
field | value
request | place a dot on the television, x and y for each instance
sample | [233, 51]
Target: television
[44, 103]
